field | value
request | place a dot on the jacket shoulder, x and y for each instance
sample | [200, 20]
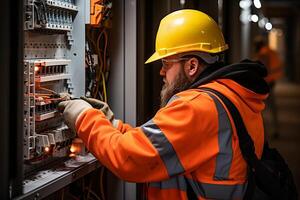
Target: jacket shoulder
[189, 96]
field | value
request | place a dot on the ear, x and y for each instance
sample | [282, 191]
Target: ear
[192, 67]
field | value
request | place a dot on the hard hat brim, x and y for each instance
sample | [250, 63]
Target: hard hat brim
[156, 57]
[153, 58]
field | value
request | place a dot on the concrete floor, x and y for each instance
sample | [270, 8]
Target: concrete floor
[288, 105]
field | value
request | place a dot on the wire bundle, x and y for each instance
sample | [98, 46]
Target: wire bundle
[97, 44]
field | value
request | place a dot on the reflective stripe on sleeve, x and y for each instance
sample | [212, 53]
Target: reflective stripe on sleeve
[164, 148]
[224, 157]
[177, 182]
[217, 191]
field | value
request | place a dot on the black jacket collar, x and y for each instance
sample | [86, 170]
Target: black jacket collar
[247, 73]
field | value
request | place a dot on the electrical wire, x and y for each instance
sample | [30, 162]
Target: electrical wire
[89, 36]
[104, 87]
[95, 195]
[41, 94]
[88, 193]
[89, 190]
[62, 194]
[38, 87]
[105, 50]
[101, 183]
[47, 97]
[101, 64]
[54, 99]
[98, 42]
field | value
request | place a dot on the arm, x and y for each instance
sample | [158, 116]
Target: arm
[129, 155]
[163, 147]
[123, 127]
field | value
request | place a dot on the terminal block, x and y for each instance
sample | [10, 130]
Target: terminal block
[43, 80]
[50, 14]
[52, 141]
[45, 110]
[51, 69]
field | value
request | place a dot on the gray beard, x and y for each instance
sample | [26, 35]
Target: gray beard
[181, 83]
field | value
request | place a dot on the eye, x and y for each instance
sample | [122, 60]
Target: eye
[166, 65]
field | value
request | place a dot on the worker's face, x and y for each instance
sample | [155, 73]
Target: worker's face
[174, 77]
[171, 67]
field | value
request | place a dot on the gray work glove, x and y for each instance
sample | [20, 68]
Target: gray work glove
[65, 96]
[72, 109]
[103, 107]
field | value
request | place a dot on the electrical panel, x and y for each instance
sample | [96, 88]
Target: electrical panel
[54, 64]
[67, 48]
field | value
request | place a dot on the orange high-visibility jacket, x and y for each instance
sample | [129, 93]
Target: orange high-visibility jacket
[192, 141]
[273, 63]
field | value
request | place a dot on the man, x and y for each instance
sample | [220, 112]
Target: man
[271, 60]
[190, 148]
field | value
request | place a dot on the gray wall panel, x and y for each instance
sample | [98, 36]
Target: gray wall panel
[130, 61]
[77, 51]
[122, 81]
[116, 79]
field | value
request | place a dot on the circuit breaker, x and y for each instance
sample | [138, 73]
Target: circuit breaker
[53, 71]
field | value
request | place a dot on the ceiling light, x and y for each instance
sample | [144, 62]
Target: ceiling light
[254, 18]
[257, 4]
[244, 4]
[268, 26]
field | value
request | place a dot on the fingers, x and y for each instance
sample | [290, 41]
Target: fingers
[65, 96]
[84, 98]
[62, 105]
[102, 106]
[94, 102]
[72, 110]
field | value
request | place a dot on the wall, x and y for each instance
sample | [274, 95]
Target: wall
[122, 82]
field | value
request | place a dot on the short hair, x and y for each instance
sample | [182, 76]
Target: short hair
[206, 58]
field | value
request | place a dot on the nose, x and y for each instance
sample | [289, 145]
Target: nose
[162, 71]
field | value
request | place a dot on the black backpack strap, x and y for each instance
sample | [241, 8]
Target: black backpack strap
[245, 142]
[191, 195]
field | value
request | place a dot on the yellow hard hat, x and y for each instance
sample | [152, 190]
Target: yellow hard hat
[187, 30]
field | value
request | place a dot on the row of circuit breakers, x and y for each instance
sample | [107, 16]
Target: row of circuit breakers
[48, 38]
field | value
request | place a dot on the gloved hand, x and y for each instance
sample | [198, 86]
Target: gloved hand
[72, 109]
[103, 107]
[65, 96]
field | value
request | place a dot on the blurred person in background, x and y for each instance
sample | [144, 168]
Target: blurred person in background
[273, 63]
